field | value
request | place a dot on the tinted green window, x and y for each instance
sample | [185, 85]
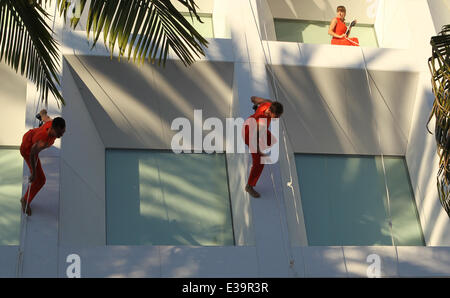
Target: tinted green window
[345, 201]
[206, 28]
[317, 32]
[11, 167]
[163, 198]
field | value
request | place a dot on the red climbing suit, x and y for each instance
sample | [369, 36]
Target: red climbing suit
[29, 139]
[257, 167]
[340, 29]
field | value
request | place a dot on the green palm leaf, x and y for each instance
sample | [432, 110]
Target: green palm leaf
[144, 29]
[26, 42]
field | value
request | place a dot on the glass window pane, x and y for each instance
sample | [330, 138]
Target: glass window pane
[206, 28]
[162, 198]
[366, 35]
[345, 203]
[316, 32]
[11, 169]
[405, 225]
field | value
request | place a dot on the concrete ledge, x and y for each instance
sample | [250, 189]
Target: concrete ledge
[424, 261]
[162, 261]
[208, 262]
[333, 56]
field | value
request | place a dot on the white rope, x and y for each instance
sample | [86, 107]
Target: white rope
[354, 42]
[379, 139]
[381, 152]
[276, 86]
[284, 131]
[24, 216]
[286, 245]
[368, 75]
[251, 75]
[289, 183]
[285, 236]
[23, 234]
[382, 96]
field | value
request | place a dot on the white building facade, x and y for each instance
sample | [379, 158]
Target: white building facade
[356, 175]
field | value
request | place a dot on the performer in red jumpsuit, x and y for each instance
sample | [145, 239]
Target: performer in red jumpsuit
[33, 142]
[266, 109]
[338, 28]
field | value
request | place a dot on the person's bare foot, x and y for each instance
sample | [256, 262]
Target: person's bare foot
[24, 205]
[252, 191]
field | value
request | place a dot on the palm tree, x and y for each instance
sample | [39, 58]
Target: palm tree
[439, 64]
[142, 29]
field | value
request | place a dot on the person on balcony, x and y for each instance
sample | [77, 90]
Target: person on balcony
[338, 29]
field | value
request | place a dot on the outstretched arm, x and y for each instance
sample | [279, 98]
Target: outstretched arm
[258, 100]
[45, 118]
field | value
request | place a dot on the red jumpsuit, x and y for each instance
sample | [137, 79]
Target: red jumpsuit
[257, 167]
[340, 29]
[29, 139]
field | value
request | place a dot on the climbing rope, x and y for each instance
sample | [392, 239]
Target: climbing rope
[24, 217]
[368, 77]
[286, 241]
[23, 234]
[381, 149]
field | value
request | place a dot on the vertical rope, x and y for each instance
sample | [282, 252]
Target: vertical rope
[24, 217]
[377, 128]
[252, 222]
[368, 77]
[289, 183]
[23, 235]
[285, 236]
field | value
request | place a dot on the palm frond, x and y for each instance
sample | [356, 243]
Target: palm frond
[26, 42]
[144, 29]
[439, 65]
